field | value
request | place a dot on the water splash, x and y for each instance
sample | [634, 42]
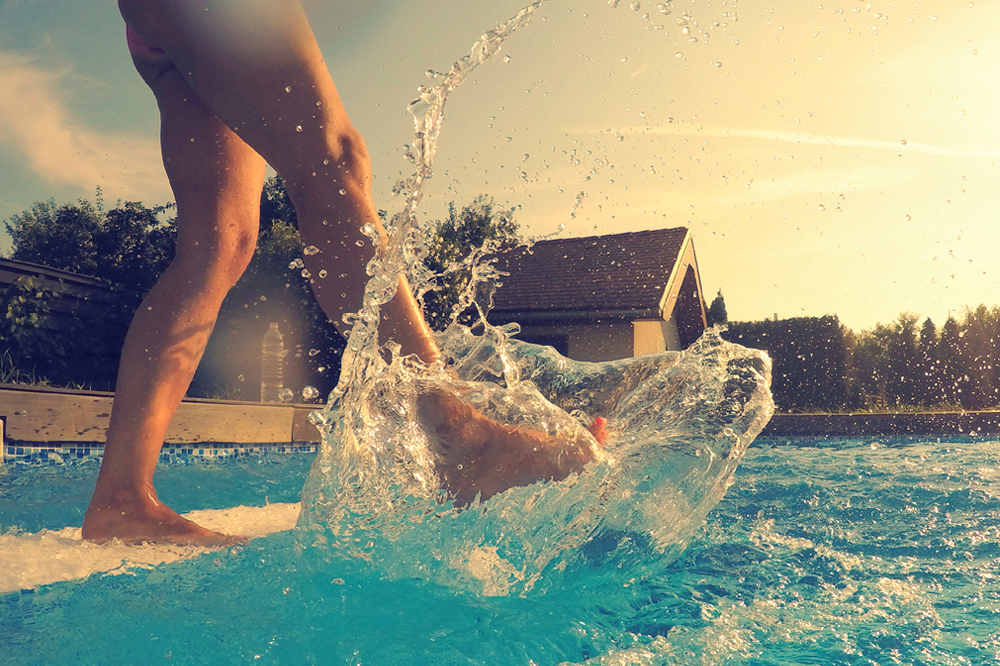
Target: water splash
[683, 421]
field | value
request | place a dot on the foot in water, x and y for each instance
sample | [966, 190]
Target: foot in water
[136, 519]
[479, 456]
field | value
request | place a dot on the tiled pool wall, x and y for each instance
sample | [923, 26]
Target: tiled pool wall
[58, 453]
[48, 454]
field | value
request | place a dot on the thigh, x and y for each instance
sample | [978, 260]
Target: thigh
[215, 176]
[255, 64]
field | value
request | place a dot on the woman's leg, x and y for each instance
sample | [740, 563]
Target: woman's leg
[256, 65]
[235, 79]
[217, 181]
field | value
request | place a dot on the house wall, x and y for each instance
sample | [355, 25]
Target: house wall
[588, 342]
[654, 336]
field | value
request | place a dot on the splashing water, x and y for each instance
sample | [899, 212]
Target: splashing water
[680, 423]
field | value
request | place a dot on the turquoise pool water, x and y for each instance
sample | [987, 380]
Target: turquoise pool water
[839, 552]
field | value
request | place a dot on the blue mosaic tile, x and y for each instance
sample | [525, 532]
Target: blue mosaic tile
[172, 453]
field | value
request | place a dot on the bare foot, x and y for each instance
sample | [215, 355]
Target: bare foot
[477, 455]
[144, 519]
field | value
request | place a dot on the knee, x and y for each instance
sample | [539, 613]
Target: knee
[233, 254]
[217, 260]
[239, 252]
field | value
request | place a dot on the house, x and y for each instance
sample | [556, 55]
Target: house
[604, 297]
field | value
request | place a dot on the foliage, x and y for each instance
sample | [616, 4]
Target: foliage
[811, 360]
[716, 312]
[51, 333]
[890, 367]
[128, 245]
[451, 253]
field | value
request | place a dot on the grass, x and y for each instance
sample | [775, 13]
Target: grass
[11, 374]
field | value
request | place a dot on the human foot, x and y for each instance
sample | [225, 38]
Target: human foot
[479, 456]
[147, 520]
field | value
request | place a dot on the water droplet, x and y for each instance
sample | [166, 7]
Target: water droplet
[241, 378]
[908, 218]
[313, 352]
[286, 395]
[298, 128]
[326, 162]
[679, 55]
[903, 142]
[288, 89]
[343, 192]
[297, 263]
[306, 273]
[310, 392]
[506, 58]
[310, 251]
[322, 273]
[360, 243]
[263, 298]
[636, 6]
[821, 208]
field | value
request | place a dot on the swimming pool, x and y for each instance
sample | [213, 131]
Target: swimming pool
[838, 552]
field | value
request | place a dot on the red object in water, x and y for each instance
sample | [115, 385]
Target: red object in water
[597, 429]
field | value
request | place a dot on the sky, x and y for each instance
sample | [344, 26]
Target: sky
[829, 158]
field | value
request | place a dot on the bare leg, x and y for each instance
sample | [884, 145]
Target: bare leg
[236, 80]
[217, 180]
[256, 65]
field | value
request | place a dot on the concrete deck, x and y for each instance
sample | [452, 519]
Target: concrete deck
[49, 416]
[900, 424]
[44, 415]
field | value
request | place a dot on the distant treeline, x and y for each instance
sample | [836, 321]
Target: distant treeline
[821, 365]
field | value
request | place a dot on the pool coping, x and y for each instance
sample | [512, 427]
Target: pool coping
[46, 418]
[890, 424]
[35, 420]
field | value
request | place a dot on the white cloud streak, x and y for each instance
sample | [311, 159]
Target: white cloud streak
[36, 120]
[800, 138]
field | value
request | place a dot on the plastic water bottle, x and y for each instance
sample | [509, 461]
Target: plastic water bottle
[271, 364]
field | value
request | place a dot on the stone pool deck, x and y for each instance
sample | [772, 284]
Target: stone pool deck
[45, 416]
[896, 425]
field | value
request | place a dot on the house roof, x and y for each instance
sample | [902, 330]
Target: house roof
[625, 275]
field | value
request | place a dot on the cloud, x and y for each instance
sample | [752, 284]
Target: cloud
[36, 120]
[801, 138]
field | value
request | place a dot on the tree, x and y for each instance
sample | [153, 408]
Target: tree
[717, 311]
[450, 254]
[128, 245]
[901, 365]
[954, 370]
[979, 326]
[811, 360]
[929, 387]
[73, 335]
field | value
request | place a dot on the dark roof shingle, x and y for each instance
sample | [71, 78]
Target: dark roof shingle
[620, 272]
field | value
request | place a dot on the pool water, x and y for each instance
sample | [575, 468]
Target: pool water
[836, 552]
